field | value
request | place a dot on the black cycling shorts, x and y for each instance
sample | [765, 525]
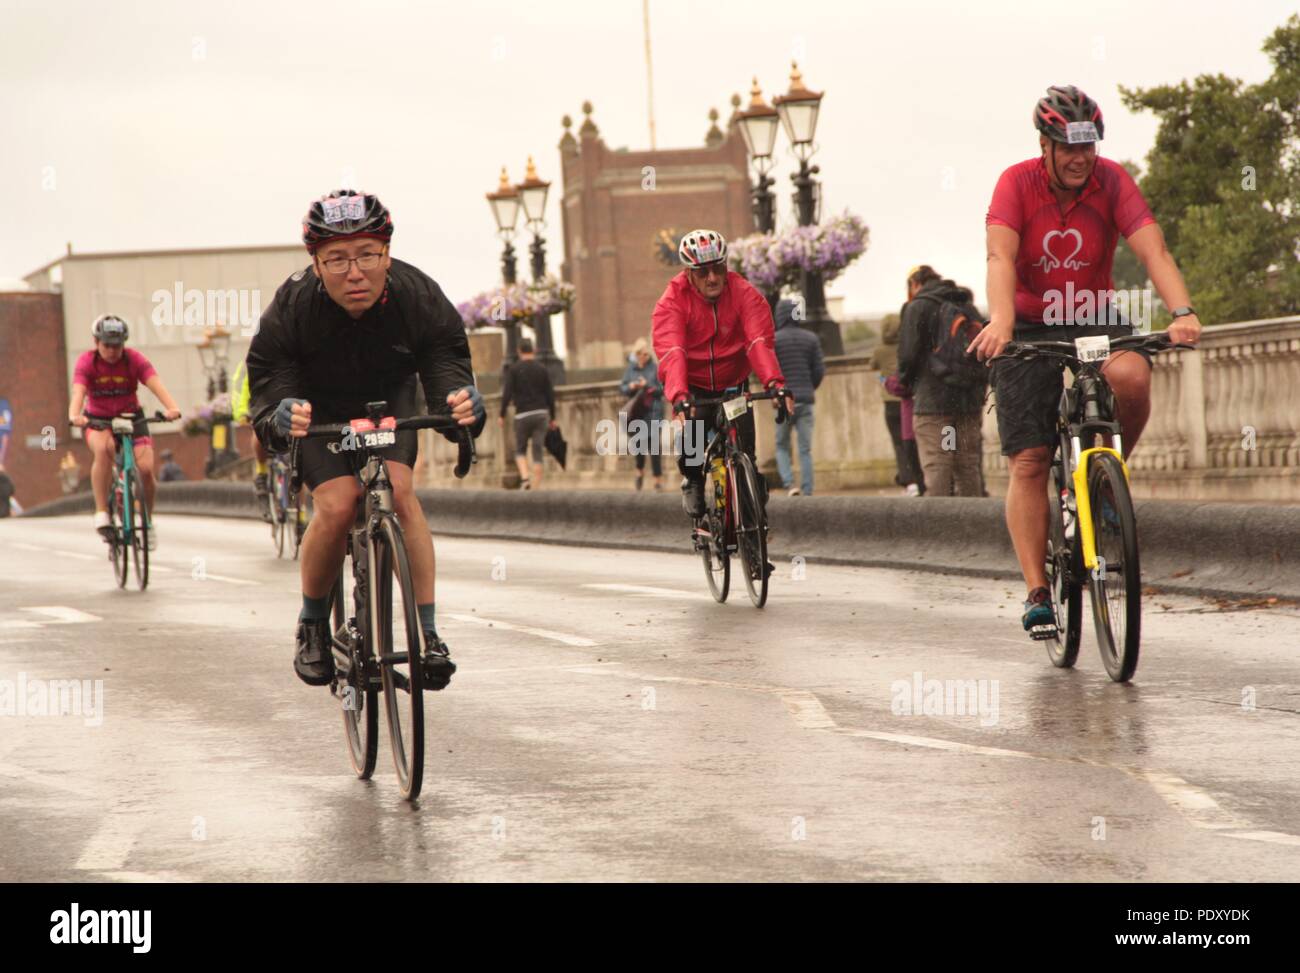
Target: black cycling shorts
[1028, 393]
[323, 459]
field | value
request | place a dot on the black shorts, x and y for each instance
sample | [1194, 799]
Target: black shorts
[323, 459]
[1028, 393]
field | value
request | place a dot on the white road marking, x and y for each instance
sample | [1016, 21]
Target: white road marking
[150, 877]
[25, 547]
[575, 640]
[19, 623]
[465, 671]
[209, 576]
[63, 615]
[111, 845]
[1196, 805]
[645, 589]
[77, 554]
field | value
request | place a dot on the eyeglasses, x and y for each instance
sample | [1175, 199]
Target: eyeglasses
[340, 265]
[704, 273]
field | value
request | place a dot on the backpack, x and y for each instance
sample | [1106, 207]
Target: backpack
[955, 327]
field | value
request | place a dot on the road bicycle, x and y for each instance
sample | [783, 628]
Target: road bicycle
[127, 535]
[1092, 537]
[735, 515]
[285, 505]
[367, 657]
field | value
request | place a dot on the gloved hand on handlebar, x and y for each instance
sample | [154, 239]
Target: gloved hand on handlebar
[467, 408]
[292, 417]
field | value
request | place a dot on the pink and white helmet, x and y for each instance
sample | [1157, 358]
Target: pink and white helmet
[701, 247]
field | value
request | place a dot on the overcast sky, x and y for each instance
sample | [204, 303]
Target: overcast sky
[177, 124]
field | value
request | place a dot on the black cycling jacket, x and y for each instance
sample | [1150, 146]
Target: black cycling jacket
[307, 347]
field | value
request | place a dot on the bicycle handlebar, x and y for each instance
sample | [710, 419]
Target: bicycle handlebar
[466, 454]
[708, 401]
[95, 422]
[1067, 351]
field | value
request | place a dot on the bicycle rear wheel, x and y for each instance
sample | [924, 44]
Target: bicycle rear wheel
[296, 531]
[751, 530]
[139, 531]
[399, 656]
[359, 698]
[1117, 579]
[117, 547]
[1064, 566]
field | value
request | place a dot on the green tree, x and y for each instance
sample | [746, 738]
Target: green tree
[1223, 179]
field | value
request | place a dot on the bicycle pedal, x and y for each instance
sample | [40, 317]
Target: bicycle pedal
[1043, 633]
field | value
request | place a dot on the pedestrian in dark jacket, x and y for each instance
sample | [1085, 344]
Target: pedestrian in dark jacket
[946, 418]
[800, 354]
[528, 386]
[645, 406]
[884, 358]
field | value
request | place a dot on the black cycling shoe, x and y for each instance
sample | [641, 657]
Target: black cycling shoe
[438, 667]
[314, 662]
[693, 497]
[1039, 619]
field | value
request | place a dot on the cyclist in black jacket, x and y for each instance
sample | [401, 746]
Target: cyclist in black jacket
[355, 327]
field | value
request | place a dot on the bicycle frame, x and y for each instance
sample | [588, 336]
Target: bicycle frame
[1085, 394]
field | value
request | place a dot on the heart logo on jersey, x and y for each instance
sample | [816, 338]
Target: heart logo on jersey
[1050, 261]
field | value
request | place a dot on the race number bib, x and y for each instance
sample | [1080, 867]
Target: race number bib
[383, 437]
[735, 408]
[336, 209]
[1092, 349]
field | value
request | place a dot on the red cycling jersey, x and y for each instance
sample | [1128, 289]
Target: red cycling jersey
[110, 389]
[1075, 246]
[713, 346]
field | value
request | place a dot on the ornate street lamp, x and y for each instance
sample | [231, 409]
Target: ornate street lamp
[532, 194]
[758, 125]
[798, 109]
[505, 210]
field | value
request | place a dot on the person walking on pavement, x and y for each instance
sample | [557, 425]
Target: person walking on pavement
[946, 414]
[884, 358]
[646, 406]
[171, 470]
[800, 353]
[528, 385]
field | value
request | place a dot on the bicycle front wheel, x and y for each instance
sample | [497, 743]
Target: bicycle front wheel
[398, 648]
[139, 532]
[751, 530]
[1063, 573]
[276, 500]
[360, 699]
[117, 547]
[1117, 579]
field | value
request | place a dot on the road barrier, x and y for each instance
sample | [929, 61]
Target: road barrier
[1220, 549]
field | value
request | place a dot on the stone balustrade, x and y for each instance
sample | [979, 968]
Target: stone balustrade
[1225, 425]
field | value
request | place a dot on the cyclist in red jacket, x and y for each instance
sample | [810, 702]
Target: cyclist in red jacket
[711, 328]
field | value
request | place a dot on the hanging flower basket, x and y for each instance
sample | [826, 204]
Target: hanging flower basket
[772, 261]
[517, 302]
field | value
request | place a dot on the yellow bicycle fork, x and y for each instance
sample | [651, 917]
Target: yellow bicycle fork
[1084, 502]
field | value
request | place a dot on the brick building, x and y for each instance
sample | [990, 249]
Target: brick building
[620, 206]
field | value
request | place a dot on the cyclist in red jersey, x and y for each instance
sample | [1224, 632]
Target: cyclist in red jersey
[104, 381]
[1051, 233]
[711, 328]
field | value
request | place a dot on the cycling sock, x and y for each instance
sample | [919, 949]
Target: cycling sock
[314, 609]
[262, 468]
[426, 617]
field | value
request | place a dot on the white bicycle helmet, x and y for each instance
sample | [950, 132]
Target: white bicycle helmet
[701, 247]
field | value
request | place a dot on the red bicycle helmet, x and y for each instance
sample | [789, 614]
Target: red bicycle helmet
[1069, 116]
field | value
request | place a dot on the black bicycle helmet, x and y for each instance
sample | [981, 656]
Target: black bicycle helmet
[1069, 116]
[346, 213]
[110, 329]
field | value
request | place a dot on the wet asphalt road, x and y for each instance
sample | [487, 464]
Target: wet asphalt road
[610, 722]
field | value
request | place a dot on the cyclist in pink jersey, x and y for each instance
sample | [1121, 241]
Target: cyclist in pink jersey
[1051, 233]
[104, 381]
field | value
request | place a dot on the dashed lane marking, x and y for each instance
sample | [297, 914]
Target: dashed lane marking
[576, 640]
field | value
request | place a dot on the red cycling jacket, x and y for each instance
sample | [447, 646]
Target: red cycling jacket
[713, 346]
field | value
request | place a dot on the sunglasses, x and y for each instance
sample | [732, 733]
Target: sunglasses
[704, 273]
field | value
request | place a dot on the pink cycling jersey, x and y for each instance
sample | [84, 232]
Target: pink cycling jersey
[1072, 246]
[110, 389]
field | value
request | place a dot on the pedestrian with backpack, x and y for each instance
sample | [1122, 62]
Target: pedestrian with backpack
[939, 321]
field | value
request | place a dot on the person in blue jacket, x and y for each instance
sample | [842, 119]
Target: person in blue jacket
[645, 394]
